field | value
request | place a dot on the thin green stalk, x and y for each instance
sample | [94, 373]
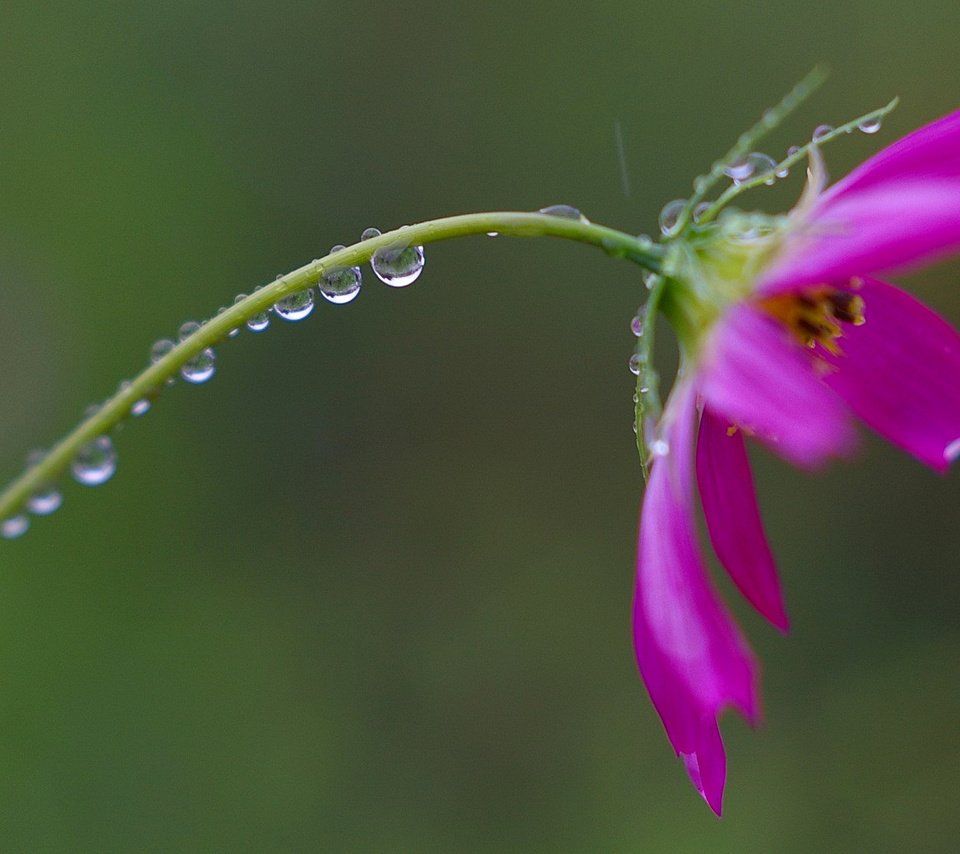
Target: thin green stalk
[148, 383]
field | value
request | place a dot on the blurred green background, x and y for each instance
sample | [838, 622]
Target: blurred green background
[369, 589]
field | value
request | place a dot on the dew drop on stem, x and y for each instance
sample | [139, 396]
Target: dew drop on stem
[398, 266]
[295, 306]
[341, 284]
[95, 462]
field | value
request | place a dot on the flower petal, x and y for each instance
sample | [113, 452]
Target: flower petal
[756, 377]
[689, 652]
[932, 151]
[882, 226]
[733, 518]
[900, 373]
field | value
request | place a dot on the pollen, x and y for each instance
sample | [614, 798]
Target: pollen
[818, 315]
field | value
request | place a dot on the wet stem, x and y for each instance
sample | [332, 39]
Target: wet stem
[147, 384]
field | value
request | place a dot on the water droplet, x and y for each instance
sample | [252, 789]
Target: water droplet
[952, 451]
[258, 322]
[870, 125]
[821, 131]
[398, 266]
[670, 216]
[700, 183]
[793, 149]
[370, 233]
[493, 234]
[95, 462]
[233, 333]
[200, 368]
[659, 448]
[637, 324]
[15, 526]
[45, 502]
[187, 329]
[783, 172]
[295, 306]
[341, 284]
[138, 407]
[649, 278]
[563, 211]
[700, 210]
[739, 170]
[636, 364]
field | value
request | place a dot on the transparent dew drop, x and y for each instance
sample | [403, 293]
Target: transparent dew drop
[370, 233]
[649, 279]
[564, 212]
[638, 322]
[821, 131]
[659, 448]
[739, 170]
[670, 217]
[160, 349]
[258, 322]
[187, 329]
[341, 284]
[295, 306]
[45, 502]
[783, 172]
[870, 125]
[700, 210]
[635, 364]
[793, 149]
[763, 164]
[398, 266]
[138, 407]
[95, 462]
[200, 368]
[15, 526]
[493, 234]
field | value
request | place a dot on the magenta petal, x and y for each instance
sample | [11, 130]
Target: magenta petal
[755, 376]
[707, 767]
[885, 226]
[689, 652]
[900, 373]
[932, 151]
[733, 518]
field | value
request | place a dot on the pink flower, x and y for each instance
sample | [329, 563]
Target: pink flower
[798, 336]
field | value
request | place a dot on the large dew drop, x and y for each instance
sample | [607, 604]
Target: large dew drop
[821, 131]
[160, 349]
[95, 462]
[295, 306]
[870, 125]
[200, 368]
[398, 266]
[370, 233]
[670, 217]
[187, 329]
[341, 284]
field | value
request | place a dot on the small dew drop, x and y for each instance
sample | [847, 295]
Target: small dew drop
[398, 266]
[44, 503]
[783, 172]
[637, 323]
[870, 125]
[187, 329]
[140, 407]
[700, 210]
[564, 212]
[200, 368]
[342, 284]
[659, 448]
[370, 233]
[649, 279]
[15, 526]
[493, 234]
[258, 322]
[821, 131]
[233, 333]
[670, 216]
[635, 364]
[95, 462]
[295, 306]
[793, 149]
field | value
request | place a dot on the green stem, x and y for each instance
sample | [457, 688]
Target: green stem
[147, 384]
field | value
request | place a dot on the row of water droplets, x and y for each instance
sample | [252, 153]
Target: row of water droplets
[751, 166]
[96, 461]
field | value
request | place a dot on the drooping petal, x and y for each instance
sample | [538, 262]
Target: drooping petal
[754, 375]
[733, 518]
[900, 373]
[689, 652]
[882, 226]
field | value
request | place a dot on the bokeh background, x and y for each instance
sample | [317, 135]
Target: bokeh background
[368, 590]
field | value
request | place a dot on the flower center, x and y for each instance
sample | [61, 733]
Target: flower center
[815, 315]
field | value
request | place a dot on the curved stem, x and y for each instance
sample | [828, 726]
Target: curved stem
[147, 384]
